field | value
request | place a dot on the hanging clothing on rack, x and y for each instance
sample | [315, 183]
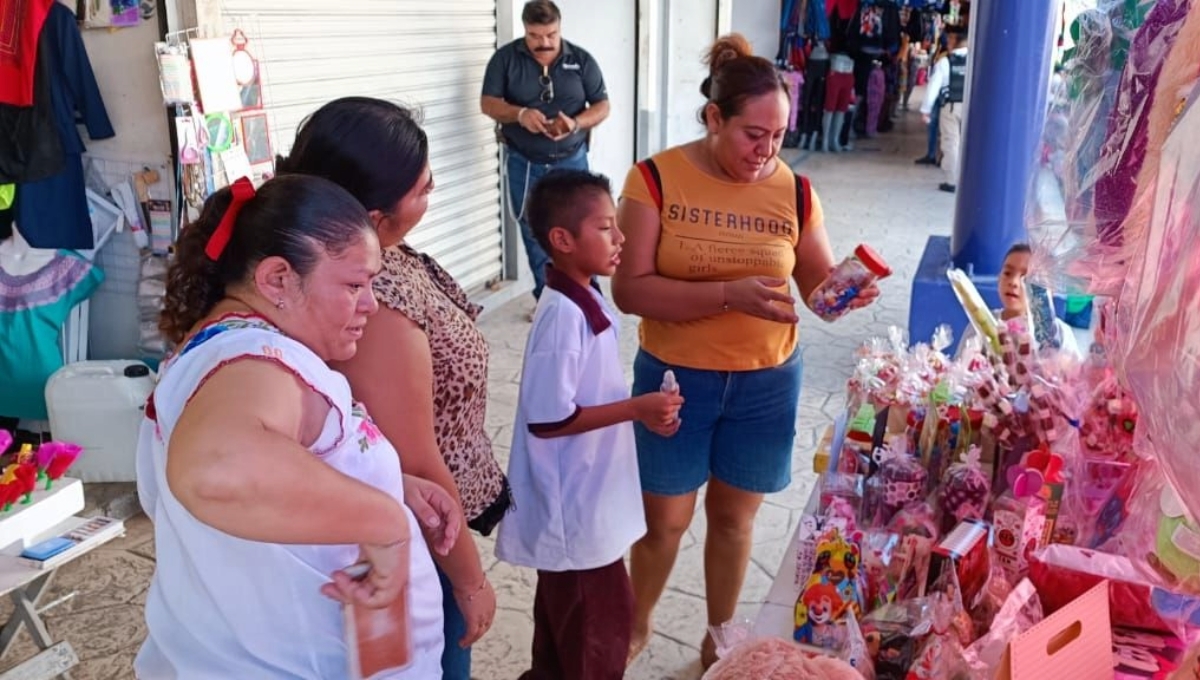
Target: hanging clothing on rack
[795, 81]
[812, 99]
[876, 91]
[20, 23]
[875, 28]
[30, 148]
[53, 212]
[842, 9]
[816, 21]
[33, 309]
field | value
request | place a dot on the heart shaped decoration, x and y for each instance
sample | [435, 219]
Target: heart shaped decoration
[1024, 482]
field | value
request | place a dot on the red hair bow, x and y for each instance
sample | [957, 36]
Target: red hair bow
[243, 191]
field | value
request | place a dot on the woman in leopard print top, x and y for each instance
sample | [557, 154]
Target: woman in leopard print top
[421, 366]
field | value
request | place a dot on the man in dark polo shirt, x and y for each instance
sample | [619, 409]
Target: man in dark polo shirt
[545, 93]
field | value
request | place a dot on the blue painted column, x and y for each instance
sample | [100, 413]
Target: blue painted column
[1011, 47]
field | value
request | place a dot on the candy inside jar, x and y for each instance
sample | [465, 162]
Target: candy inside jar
[832, 298]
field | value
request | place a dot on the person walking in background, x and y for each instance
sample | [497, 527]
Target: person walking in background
[948, 91]
[546, 94]
[715, 229]
[932, 157]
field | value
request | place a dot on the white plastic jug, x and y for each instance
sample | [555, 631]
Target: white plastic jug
[99, 405]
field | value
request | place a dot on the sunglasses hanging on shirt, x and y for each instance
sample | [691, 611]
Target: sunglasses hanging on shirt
[547, 95]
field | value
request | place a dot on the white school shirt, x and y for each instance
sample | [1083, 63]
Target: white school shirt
[939, 79]
[225, 607]
[577, 500]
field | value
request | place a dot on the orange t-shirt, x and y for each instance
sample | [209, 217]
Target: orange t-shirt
[713, 230]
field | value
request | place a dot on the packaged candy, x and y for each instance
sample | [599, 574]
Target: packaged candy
[848, 487]
[940, 656]
[917, 519]
[814, 524]
[1020, 612]
[879, 550]
[964, 552]
[832, 298]
[1041, 308]
[859, 441]
[833, 590]
[965, 490]
[892, 640]
[1176, 553]
[1141, 655]
[1018, 521]
[903, 480]
[995, 591]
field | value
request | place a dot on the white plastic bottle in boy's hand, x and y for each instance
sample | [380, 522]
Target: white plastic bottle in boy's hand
[669, 386]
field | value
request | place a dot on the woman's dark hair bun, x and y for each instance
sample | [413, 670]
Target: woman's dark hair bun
[735, 74]
[726, 49]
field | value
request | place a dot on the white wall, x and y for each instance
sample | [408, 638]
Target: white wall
[758, 20]
[123, 61]
[691, 29]
[127, 74]
[608, 31]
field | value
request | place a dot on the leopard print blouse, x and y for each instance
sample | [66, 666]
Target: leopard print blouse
[415, 285]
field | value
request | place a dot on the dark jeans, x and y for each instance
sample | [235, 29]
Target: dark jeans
[932, 144]
[523, 175]
[456, 661]
[582, 624]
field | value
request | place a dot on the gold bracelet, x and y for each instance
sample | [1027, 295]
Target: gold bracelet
[482, 586]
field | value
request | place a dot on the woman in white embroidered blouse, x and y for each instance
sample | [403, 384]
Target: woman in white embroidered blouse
[264, 480]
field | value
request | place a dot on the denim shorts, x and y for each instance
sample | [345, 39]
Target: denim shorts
[738, 427]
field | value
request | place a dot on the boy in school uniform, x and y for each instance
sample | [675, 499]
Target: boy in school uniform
[573, 465]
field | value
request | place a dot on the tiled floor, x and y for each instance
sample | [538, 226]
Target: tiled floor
[873, 194]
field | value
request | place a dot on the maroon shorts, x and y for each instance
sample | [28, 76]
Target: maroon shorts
[582, 623]
[839, 91]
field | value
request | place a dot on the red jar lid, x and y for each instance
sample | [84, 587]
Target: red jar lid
[872, 260]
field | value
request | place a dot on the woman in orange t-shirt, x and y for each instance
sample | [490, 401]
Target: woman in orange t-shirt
[714, 230]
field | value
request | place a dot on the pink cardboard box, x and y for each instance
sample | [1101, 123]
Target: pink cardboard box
[1075, 642]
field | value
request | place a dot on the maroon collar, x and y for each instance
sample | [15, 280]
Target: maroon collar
[597, 320]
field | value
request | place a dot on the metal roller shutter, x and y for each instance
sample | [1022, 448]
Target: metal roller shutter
[421, 53]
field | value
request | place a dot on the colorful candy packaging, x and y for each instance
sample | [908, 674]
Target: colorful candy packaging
[964, 491]
[833, 589]
[902, 479]
[1018, 523]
